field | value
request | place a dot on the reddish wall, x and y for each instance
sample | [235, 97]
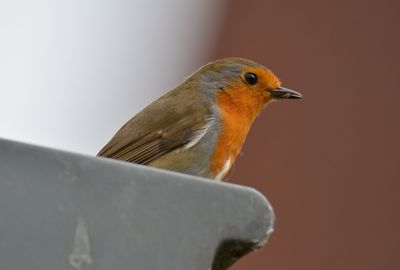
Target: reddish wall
[329, 163]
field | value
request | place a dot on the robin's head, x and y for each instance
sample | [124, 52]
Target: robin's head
[241, 82]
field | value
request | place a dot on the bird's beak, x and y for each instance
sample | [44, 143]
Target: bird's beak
[284, 93]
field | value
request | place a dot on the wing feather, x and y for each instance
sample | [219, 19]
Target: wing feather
[156, 143]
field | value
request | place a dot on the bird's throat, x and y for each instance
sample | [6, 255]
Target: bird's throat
[237, 108]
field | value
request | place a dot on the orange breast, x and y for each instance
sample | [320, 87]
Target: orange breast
[238, 109]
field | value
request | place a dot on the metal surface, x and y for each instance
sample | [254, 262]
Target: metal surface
[66, 211]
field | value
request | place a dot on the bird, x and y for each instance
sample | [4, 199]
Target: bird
[200, 126]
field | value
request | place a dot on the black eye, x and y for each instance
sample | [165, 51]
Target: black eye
[251, 78]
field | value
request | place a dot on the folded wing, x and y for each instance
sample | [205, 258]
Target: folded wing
[154, 144]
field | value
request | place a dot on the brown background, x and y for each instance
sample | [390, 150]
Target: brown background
[330, 162]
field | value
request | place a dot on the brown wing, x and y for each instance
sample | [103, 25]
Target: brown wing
[156, 143]
[168, 123]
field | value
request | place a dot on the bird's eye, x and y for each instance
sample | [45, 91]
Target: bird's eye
[251, 78]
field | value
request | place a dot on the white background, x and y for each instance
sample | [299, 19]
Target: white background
[72, 72]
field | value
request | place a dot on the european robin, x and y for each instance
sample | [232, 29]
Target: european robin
[199, 127]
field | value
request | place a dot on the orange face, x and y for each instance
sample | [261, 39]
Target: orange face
[239, 104]
[260, 80]
[241, 89]
[248, 94]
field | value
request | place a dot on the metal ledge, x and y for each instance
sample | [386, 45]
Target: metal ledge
[66, 211]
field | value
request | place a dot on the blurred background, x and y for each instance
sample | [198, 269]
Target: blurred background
[73, 72]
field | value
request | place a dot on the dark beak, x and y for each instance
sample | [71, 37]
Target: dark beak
[284, 93]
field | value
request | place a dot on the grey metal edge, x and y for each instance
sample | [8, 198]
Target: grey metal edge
[61, 210]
